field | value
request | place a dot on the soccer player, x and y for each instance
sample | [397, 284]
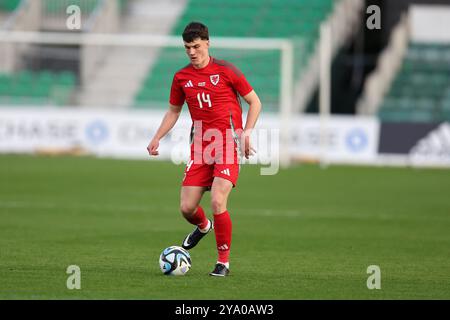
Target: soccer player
[210, 87]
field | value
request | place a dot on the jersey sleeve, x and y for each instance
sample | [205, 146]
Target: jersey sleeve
[239, 81]
[177, 96]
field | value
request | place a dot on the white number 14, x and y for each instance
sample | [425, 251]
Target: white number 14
[205, 98]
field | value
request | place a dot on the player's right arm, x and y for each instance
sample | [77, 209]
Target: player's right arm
[167, 123]
[176, 102]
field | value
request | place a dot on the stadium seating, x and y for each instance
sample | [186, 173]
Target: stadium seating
[295, 19]
[59, 6]
[86, 6]
[421, 89]
[40, 88]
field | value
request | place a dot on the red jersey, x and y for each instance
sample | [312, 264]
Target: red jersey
[211, 94]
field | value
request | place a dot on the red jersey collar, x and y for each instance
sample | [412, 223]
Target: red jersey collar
[209, 63]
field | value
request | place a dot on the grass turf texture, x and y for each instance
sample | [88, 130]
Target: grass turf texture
[305, 233]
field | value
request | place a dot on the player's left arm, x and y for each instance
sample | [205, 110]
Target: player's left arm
[253, 113]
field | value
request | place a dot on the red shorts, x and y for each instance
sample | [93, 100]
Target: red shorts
[212, 160]
[202, 175]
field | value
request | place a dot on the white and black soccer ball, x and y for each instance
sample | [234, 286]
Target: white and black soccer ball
[175, 261]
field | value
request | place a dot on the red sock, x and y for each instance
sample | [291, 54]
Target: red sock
[222, 228]
[199, 218]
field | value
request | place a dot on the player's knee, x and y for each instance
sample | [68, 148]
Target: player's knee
[187, 209]
[218, 203]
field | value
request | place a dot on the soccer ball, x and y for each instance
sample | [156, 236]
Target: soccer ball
[175, 261]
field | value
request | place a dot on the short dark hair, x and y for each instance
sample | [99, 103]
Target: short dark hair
[195, 30]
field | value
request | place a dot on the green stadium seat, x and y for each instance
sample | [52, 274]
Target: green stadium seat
[445, 105]
[25, 78]
[66, 79]
[9, 5]
[46, 77]
[421, 87]
[60, 6]
[27, 87]
[41, 90]
[406, 115]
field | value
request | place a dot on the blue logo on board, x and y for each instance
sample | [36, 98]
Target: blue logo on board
[356, 140]
[97, 132]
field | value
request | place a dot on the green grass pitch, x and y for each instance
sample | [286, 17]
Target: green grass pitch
[305, 233]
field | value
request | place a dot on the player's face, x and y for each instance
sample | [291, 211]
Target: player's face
[197, 52]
